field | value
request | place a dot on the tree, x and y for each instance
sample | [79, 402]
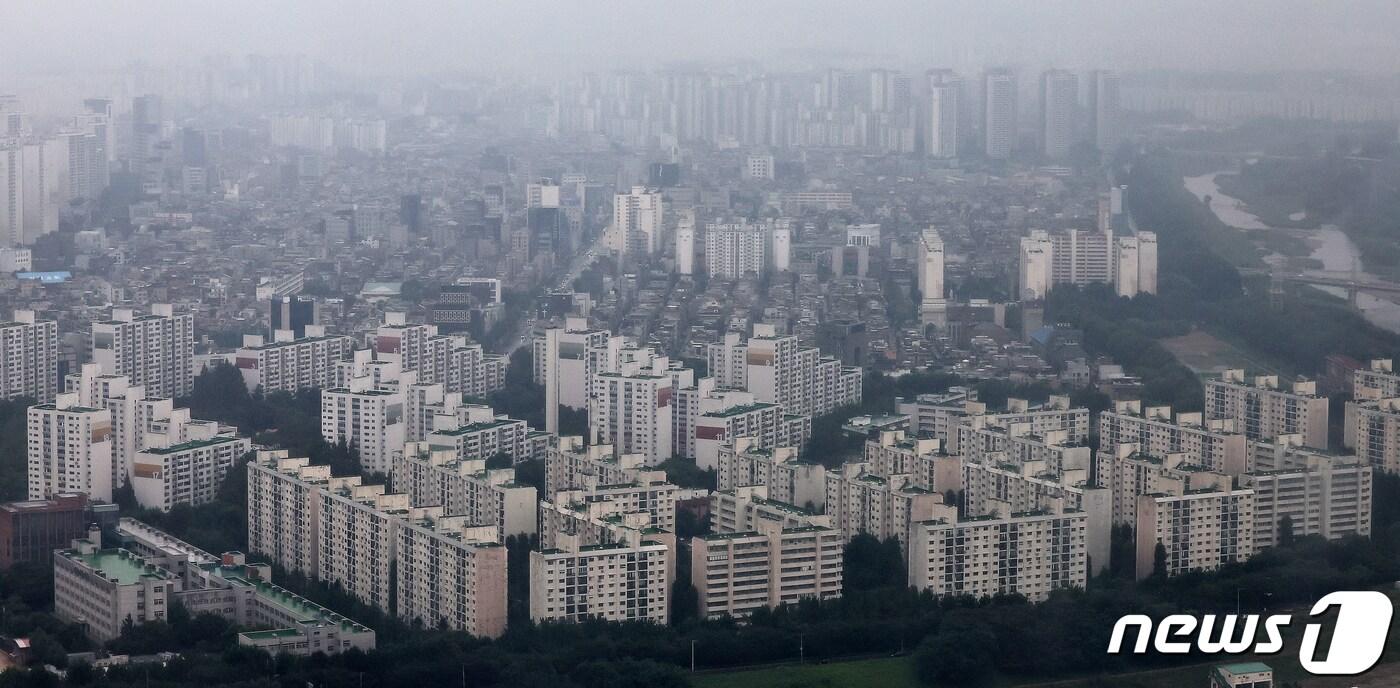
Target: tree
[1159, 562]
[956, 657]
[870, 564]
[1285, 531]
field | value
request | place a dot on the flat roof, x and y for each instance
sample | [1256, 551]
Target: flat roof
[119, 565]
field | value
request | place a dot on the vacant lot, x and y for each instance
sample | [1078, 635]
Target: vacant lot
[1204, 353]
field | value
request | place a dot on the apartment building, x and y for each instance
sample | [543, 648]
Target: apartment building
[619, 581]
[1055, 414]
[744, 462]
[1020, 488]
[859, 501]
[631, 411]
[1378, 376]
[775, 369]
[582, 353]
[100, 589]
[451, 574]
[1262, 410]
[1320, 494]
[737, 573]
[1128, 474]
[1372, 429]
[290, 365]
[455, 362]
[742, 509]
[764, 424]
[476, 432]
[570, 465]
[1214, 444]
[69, 449]
[284, 510]
[1028, 553]
[432, 476]
[650, 493]
[357, 534]
[1200, 530]
[367, 417]
[1015, 443]
[190, 472]
[933, 415]
[28, 358]
[155, 351]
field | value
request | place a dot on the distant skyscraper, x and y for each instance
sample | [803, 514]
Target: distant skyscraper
[637, 223]
[292, 313]
[1103, 109]
[1059, 95]
[999, 113]
[941, 134]
[145, 134]
[11, 195]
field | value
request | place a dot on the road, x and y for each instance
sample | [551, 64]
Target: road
[582, 259]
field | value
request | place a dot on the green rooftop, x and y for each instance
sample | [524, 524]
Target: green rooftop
[193, 444]
[119, 565]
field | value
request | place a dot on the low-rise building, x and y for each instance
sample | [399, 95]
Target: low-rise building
[31, 530]
[100, 589]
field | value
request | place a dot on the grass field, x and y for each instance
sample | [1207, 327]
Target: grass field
[884, 672]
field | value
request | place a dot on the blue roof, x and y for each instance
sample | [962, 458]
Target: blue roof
[1042, 335]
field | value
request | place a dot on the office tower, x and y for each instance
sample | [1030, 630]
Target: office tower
[1035, 266]
[637, 223]
[292, 313]
[155, 351]
[11, 195]
[146, 115]
[685, 245]
[101, 123]
[933, 309]
[28, 358]
[941, 117]
[70, 449]
[1103, 109]
[1059, 97]
[1263, 411]
[998, 113]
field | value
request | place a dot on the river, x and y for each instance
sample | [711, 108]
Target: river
[1331, 247]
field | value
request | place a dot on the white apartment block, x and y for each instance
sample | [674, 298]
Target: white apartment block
[583, 353]
[651, 495]
[476, 432]
[451, 574]
[1016, 444]
[102, 588]
[1373, 431]
[368, 419]
[1082, 257]
[189, 472]
[1379, 376]
[1055, 414]
[1030, 554]
[932, 415]
[638, 224]
[765, 425]
[1128, 474]
[623, 581]
[1200, 530]
[734, 250]
[292, 365]
[28, 358]
[1036, 272]
[456, 363]
[284, 510]
[632, 412]
[155, 351]
[737, 573]
[891, 452]
[358, 539]
[744, 462]
[16, 260]
[1262, 410]
[859, 501]
[1059, 100]
[1321, 494]
[933, 307]
[1214, 444]
[69, 449]
[1011, 489]
[747, 507]
[487, 497]
[569, 465]
[776, 370]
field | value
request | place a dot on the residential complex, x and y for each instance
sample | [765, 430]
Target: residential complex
[1262, 410]
[28, 358]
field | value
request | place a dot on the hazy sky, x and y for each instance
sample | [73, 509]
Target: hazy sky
[430, 35]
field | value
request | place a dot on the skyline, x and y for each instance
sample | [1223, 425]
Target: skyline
[423, 37]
